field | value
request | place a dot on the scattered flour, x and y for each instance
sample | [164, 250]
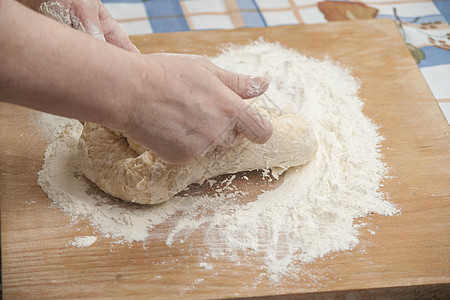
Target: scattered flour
[206, 266]
[50, 125]
[83, 241]
[313, 211]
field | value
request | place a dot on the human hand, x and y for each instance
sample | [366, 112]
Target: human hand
[89, 16]
[188, 106]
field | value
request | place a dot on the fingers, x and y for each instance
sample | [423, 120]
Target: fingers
[243, 85]
[88, 16]
[254, 126]
[113, 32]
[98, 22]
[250, 123]
[117, 36]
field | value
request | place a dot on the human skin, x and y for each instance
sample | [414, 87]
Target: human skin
[94, 17]
[178, 106]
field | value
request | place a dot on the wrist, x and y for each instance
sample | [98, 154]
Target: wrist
[127, 92]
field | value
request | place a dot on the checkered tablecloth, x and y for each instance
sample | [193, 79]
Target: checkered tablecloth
[423, 24]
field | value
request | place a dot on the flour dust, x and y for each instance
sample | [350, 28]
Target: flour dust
[310, 214]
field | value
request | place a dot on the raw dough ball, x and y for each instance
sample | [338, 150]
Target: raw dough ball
[126, 170]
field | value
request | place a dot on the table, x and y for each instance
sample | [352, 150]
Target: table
[408, 257]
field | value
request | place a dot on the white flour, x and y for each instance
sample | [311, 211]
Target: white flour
[310, 214]
[83, 241]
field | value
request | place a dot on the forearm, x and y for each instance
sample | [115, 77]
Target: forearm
[53, 68]
[178, 106]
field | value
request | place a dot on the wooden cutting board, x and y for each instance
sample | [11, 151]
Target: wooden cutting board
[408, 256]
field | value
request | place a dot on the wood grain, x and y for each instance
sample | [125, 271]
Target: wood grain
[408, 257]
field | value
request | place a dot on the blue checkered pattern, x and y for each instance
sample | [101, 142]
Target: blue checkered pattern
[425, 23]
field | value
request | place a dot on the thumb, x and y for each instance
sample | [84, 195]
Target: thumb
[89, 19]
[250, 123]
[243, 85]
[113, 32]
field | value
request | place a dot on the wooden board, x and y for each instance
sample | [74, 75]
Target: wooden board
[409, 255]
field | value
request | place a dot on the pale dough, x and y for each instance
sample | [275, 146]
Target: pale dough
[126, 170]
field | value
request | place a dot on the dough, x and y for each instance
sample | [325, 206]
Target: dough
[127, 170]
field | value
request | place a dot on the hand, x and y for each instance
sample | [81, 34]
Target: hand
[178, 106]
[89, 16]
[189, 106]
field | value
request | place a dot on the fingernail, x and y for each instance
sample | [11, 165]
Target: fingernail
[257, 86]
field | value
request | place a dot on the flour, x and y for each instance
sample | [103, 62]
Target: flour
[84, 241]
[49, 126]
[58, 12]
[310, 214]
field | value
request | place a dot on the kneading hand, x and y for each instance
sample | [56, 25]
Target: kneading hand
[178, 106]
[188, 106]
[89, 16]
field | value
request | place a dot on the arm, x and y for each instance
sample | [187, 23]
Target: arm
[178, 106]
[53, 68]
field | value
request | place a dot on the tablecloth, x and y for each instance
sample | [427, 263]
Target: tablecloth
[423, 24]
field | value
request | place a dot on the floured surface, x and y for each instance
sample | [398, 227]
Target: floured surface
[309, 215]
[409, 250]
